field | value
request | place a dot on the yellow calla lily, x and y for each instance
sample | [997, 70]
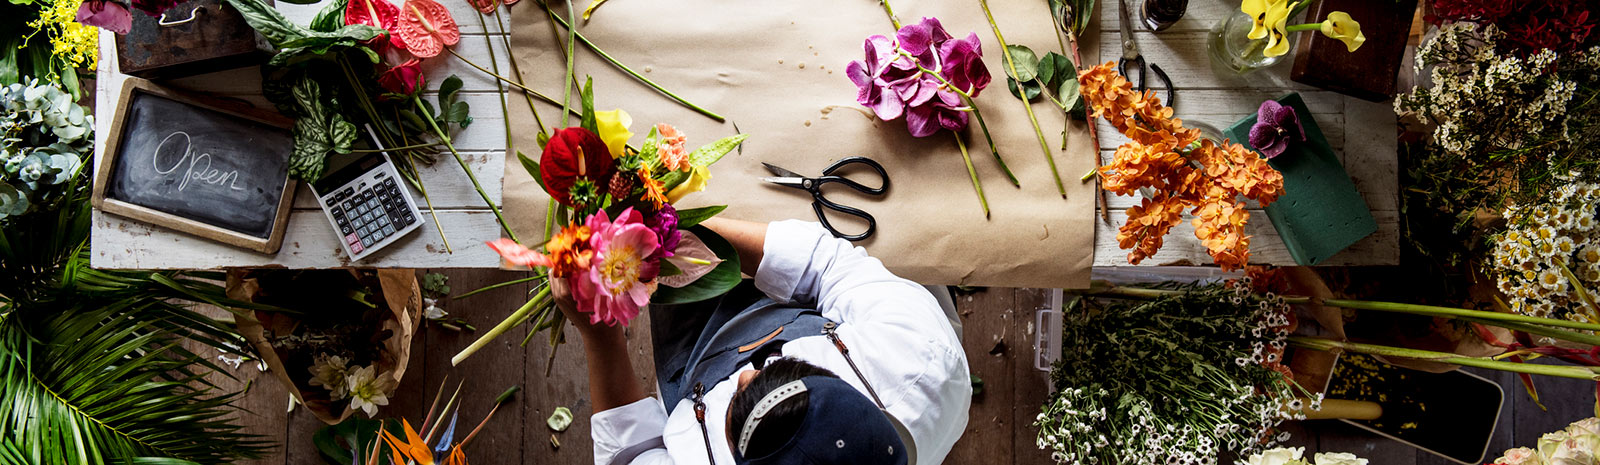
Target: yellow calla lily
[1277, 19]
[696, 183]
[1340, 26]
[613, 126]
[1257, 9]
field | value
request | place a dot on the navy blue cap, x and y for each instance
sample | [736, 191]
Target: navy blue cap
[841, 426]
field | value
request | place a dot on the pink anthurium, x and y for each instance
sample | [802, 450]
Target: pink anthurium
[427, 27]
[375, 13]
[694, 258]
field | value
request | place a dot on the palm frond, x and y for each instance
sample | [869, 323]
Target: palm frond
[111, 384]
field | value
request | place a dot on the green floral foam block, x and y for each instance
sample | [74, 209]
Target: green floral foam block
[1320, 212]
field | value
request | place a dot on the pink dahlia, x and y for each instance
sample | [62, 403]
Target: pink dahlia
[615, 285]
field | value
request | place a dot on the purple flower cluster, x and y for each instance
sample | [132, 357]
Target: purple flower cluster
[892, 81]
[1277, 127]
[664, 223]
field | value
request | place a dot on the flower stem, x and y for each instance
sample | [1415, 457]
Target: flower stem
[973, 174]
[1449, 312]
[428, 116]
[396, 149]
[630, 71]
[525, 90]
[500, 90]
[1583, 294]
[516, 70]
[572, 35]
[1575, 372]
[895, 20]
[1304, 27]
[1012, 65]
[978, 115]
[516, 317]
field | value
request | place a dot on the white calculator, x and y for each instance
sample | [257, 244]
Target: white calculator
[367, 205]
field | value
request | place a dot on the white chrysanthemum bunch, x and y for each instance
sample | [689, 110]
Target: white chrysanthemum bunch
[1174, 381]
[1547, 262]
[1481, 100]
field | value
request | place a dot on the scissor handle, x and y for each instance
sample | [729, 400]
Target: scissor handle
[1143, 83]
[828, 176]
[819, 202]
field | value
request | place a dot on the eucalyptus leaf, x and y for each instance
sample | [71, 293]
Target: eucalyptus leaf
[1032, 87]
[718, 282]
[710, 153]
[1025, 61]
[694, 216]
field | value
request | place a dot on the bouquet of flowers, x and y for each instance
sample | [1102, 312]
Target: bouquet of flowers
[1547, 262]
[44, 139]
[1296, 456]
[1174, 379]
[1578, 444]
[1186, 172]
[613, 231]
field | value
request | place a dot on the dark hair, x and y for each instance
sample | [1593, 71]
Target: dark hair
[783, 421]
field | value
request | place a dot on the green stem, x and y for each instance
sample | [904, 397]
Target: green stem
[505, 39]
[895, 20]
[1583, 294]
[500, 90]
[978, 115]
[428, 116]
[429, 200]
[1012, 65]
[525, 90]
[1430, 310]
[972, 173]
[572, 35]
[630, 71]
[497, 286]
[1304, 27]
[1089, 175]
[516, 317]
[396, 149]
[1575, 372]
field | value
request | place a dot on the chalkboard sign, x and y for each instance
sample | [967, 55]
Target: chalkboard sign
[214, 169]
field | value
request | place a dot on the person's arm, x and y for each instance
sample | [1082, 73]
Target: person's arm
[748, 239]
[627, 424]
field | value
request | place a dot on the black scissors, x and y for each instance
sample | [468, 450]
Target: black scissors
[1130, 54]
[814, 186]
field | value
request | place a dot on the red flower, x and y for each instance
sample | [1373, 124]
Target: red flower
[405, 79]
[572, 154]
[1527, 26]
[376, 13]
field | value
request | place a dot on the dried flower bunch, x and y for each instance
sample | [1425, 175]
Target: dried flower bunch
[1186, 171]
[1173, 380]
[1548, 261]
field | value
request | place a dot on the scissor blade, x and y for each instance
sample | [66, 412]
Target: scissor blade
[1130, 50]
[786, 181]
[780, 171]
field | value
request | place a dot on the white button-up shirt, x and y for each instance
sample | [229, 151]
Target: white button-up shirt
[897, 333]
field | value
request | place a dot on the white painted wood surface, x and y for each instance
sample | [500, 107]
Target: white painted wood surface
[1362, 132]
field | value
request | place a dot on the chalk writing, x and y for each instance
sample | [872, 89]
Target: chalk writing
[199, 166]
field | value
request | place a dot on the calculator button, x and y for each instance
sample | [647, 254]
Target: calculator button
[408, 217]
[352, 239]
[383, 221]
[388, 230]
[349, 205]
[356, 247]
[345, 228]
[366, 242]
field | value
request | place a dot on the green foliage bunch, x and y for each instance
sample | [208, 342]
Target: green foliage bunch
[44, 138]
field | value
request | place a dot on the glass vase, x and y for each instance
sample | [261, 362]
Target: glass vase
[1232, 49]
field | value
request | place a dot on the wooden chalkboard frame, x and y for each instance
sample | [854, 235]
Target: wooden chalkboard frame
[101, 201]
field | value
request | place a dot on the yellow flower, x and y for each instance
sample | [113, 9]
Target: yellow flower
[696, 183]
[1340, 26]
[1257, 9]
[613, 126]
[1277, 19]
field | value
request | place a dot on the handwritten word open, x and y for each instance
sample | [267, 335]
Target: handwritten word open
[199, 168]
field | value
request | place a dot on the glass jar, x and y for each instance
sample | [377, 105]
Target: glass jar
[1232, 49]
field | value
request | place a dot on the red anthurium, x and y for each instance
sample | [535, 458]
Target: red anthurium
[485, 6]
[427, 27]
[572, 154]
[375, 13]
[406, 79]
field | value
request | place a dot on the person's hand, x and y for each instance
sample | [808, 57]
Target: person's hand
[561, 292]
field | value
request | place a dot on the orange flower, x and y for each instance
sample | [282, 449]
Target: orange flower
[1160, 157]
[568, 252]
[654, 190]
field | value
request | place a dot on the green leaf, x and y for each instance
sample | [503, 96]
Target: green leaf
[459, 113]
[448, 90]
[669, 269]
[357, 433]
[652, 143]
[1083, 14]
[330, 18]
[1056, 68]
[1071, 98]
[319, 130]
[1026, 63]
[533, 169]
[284, 34]
[710, 153]
[1032, 87]
[721, 279]
[691, 217]
[9, 73]
[586, 99]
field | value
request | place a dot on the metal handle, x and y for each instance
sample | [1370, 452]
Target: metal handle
[163, 22]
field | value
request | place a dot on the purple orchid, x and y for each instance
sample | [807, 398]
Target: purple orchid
[1276, 127]
[892, 82]
[105, 14]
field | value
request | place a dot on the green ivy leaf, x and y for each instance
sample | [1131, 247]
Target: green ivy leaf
[694, 216]
[1026, 62]
[1032, 87]
[718, 282]
[710, 153]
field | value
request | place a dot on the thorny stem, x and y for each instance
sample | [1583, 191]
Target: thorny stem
[630, 71]
[972, 173]
[428, 116]
[1012, 65]
[1327, 345]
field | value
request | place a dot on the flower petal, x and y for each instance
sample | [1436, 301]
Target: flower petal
[426, 27]
[690, 249]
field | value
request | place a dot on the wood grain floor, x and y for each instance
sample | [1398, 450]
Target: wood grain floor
[998, 337]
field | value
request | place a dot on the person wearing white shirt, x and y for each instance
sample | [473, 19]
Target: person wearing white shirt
[829, 358]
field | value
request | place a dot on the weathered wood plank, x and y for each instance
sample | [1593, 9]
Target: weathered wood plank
[448, 186]
[496, 367]
[993, 346]
[261, 408]
[1030, 387]
[1184, 57]
[1337, 436]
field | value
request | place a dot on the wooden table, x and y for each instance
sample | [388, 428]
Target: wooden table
[1362, 132]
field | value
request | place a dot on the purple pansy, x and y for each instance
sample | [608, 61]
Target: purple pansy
[1276, 127]
[890, 81]
[664, 223]
[105, 14]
